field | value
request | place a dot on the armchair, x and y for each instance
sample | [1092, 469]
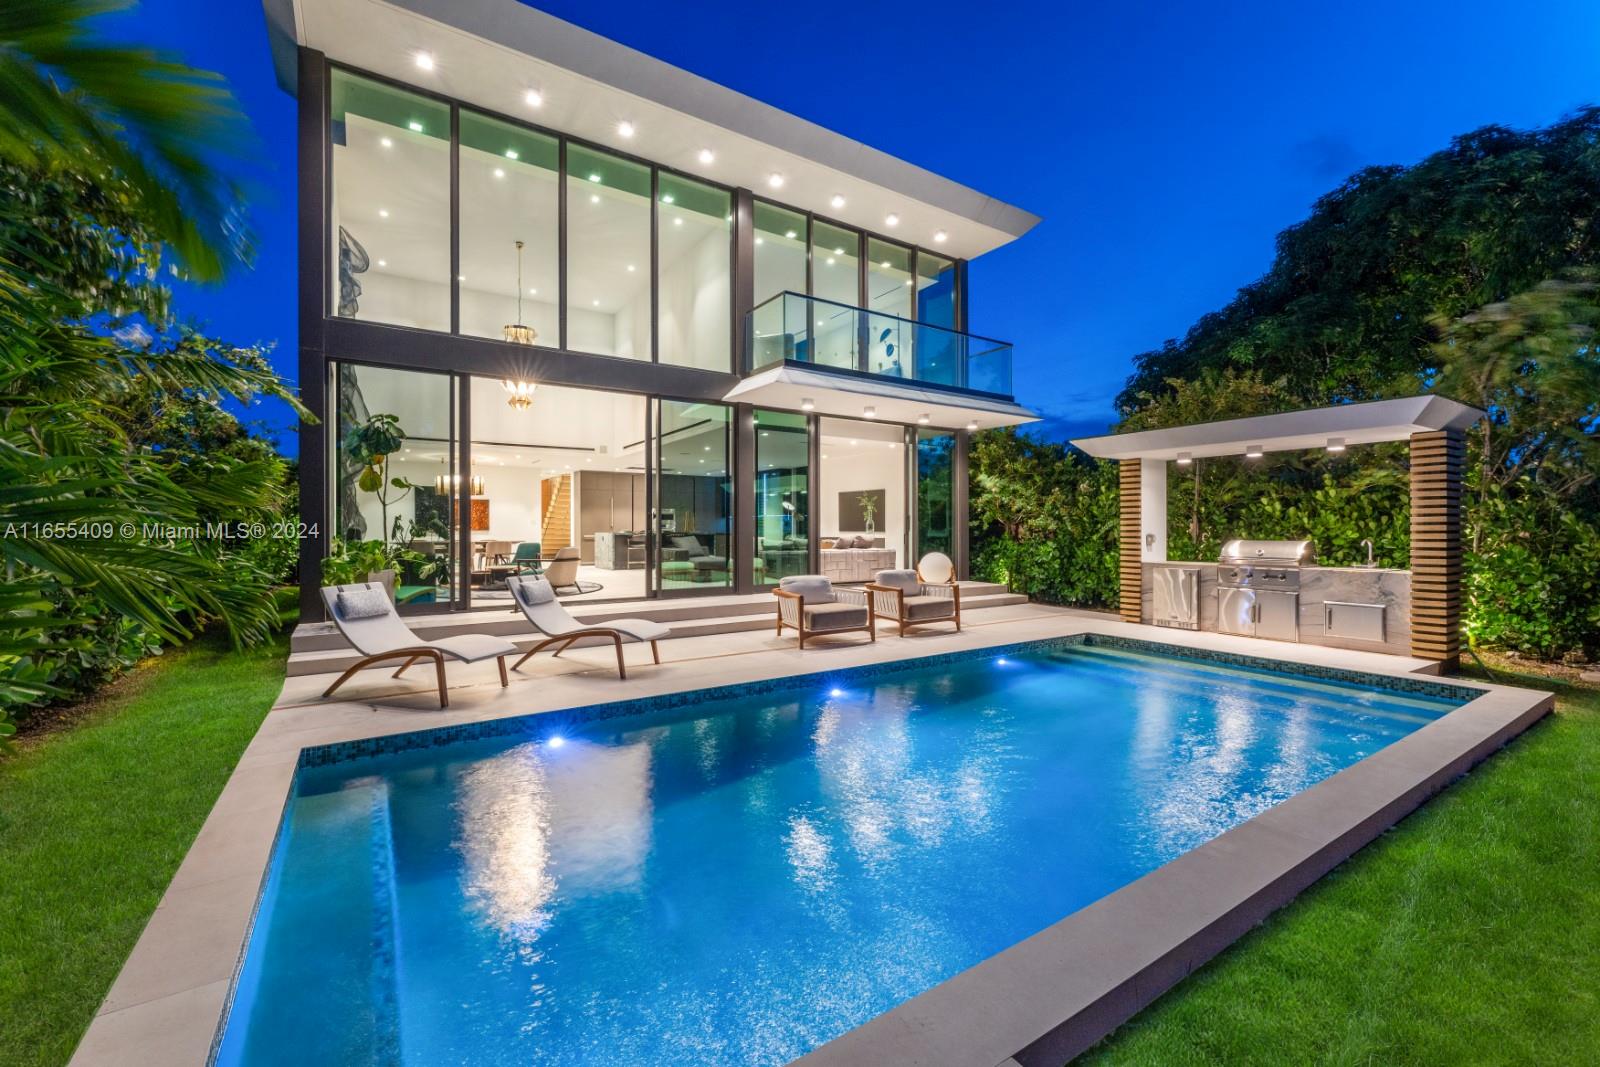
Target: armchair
[904, 598]
[812, 607]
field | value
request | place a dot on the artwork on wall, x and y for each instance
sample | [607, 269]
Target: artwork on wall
[862, 509]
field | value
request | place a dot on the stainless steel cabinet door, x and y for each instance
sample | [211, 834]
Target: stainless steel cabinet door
[1278, 616]
[1236, 611]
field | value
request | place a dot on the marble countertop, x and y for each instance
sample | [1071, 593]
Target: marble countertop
[1309, 567]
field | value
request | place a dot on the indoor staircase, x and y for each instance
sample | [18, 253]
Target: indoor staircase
[555, 530]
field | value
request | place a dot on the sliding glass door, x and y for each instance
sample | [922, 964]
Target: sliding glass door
[395, 484]
[693, 528]
[781, 497]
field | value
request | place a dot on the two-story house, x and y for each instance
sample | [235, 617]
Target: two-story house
[614, 308]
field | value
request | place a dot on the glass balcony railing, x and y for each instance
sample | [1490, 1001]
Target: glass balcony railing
[807, 329]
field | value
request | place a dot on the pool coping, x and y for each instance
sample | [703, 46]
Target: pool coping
[1042, 1000]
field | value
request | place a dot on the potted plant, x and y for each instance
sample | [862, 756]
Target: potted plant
[869, 510]
[371, 443]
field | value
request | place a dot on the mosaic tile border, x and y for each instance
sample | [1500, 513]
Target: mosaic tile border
[543, 722]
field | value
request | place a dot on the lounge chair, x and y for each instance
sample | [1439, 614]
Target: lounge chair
[811, 606]
[526, 558]
[537, 599]
[904, 598]
[367, 618]
[563, 572]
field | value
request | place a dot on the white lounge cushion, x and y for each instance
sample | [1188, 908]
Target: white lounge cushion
[366, 602]
[903, 580]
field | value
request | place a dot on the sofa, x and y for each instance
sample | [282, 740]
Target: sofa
[859, 562]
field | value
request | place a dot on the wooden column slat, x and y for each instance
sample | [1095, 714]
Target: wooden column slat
[1438, 460]
[1130, 569]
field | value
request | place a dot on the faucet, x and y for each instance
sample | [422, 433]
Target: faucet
[1367, 543]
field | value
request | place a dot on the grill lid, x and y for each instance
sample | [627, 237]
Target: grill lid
[1282, 553]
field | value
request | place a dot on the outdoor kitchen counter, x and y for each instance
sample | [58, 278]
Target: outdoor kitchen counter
[1388, 587]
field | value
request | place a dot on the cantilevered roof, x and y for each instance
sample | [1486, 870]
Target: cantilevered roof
[847, 396]
[492, 52]
[1291, 431]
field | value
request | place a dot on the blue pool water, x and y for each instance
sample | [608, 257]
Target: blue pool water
[740, 881]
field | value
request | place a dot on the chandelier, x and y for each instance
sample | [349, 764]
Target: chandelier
[516, 332]
[448, 483]
[521, 392]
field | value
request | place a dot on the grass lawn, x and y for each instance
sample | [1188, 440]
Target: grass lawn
[94, 819]
[1470, 933]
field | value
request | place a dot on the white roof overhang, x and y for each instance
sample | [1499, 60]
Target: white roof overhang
[1290, 431]
[489, 53]
[847, 396]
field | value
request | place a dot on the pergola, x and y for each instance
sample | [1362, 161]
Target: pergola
[1435, 426]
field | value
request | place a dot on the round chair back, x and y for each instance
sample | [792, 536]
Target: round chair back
[936, 568]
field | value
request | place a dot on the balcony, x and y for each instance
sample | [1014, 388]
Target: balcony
[806, 329]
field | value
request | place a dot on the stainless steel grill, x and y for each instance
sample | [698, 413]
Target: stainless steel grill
[1258, 591]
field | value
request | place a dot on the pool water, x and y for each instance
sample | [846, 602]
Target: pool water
[740, 881]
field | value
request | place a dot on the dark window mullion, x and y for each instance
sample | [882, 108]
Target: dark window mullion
[455, 218]
[561, 245]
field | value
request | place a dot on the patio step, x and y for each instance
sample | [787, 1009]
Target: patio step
[314, 652]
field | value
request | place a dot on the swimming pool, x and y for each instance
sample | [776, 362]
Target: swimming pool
[742, 878]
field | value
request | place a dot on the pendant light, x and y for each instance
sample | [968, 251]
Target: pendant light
[517, 333]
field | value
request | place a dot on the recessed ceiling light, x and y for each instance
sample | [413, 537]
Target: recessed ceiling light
[758, 240]
[461, 277]
[838, 251]
[891, 219]
[383, 212]
[386, 142]
[624, 129]
[1253, 451]
[630, 268]
[414, 127]
[1184, 459]
[594, 177]
[939, 237]
[869, 412]
[499, 172]
[667, 198]
[596, 303]
[837, 201]
[678, 221]
[707, 156]
[533, 98]
[775, 180]
[511, 153]
[383, 262]
[807, 404]
[424, 60]
[922, 420]
[972, 427]
[533, 292]
[1335, 444]
[884, 264]
[830, 261]
[594, 198]
[790, 234]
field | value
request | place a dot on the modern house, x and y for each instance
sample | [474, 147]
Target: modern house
[618, 309]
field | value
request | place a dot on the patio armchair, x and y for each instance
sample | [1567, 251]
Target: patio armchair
[537, 599]
[367, 618]
[563, 571]
[907, 600]
[812, 607]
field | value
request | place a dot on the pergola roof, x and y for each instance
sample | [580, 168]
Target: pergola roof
[1290, 431]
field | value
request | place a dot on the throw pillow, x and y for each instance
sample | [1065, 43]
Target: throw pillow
[535, 591]
[363, 603]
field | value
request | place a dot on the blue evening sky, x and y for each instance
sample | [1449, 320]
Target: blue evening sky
[1164, 144]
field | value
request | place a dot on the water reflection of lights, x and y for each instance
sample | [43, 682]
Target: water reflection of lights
[556, 741]
[810, 854]
[524, 818]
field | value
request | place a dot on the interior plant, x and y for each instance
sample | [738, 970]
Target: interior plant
[371, 443]
[869, 510]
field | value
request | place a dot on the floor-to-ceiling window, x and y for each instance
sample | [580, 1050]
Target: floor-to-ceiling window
[935, 480]
[781, 496]
[779, 328]
[390, 210]
[937, 349]
[394, 475]
[694, 237]
[694, 496]
[836, 282]
[608, 254]
[863, 505]
[510, 232]
[889, 293]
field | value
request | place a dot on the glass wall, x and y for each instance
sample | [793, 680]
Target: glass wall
[781, 497]
[694, 496]
[935, 479]
[510, 227]
[396, 425]
[608, 254]
[938, 351]
[863, 506]
[835, 277]
[695, 246]
[889, 290]
[390, 209]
